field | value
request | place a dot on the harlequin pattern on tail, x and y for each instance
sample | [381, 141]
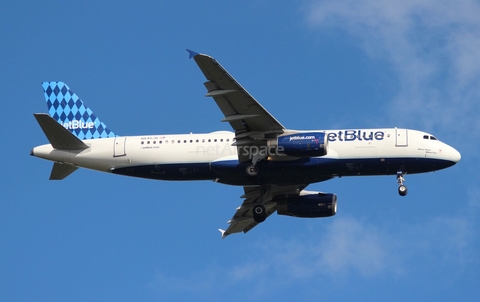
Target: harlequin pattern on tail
[68, 109]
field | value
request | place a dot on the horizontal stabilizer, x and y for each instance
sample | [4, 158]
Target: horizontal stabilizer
[59, 137]
[60, 171]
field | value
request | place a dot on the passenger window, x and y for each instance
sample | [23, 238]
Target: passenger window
[154, 142]
[160, 142]
[148, 143]
[215, 140]
[203, 140]
[227, 139]
[209, 140]
[221, 140]
[142, 143]
[178, 141]
[184, 141]
[197, 140]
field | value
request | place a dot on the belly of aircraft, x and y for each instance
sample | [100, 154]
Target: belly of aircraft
[302, 171]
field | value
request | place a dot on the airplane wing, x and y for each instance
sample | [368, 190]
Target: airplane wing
[253, 126]
[242, 220]
[252, 123]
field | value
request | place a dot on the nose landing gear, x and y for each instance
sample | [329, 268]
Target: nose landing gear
[402, 189]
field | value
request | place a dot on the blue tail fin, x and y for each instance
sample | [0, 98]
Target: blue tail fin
[67, 108]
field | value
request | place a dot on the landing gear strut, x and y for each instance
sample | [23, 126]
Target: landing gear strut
[402, 189]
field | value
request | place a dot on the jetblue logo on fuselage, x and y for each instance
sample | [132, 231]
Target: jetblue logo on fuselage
[298, 137]
[78, 125]
[355, 135]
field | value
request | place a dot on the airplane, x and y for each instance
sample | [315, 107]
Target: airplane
[272, 163]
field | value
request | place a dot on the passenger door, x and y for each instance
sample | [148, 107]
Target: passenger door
[401, 137]
[119, 146]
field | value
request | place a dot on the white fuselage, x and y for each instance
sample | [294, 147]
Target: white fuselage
[365, 145]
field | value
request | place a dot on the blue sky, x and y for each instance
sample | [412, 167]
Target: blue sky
[313, 65]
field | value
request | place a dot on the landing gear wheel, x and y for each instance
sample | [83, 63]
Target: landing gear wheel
[259, 213]
[402, 190]
[252, 170]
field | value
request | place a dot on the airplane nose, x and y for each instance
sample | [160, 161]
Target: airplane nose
[454, 155]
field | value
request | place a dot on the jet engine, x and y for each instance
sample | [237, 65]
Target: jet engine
[301, 144]
[310, 205]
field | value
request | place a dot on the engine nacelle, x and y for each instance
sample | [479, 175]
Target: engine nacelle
[301, 144]
[310, 205]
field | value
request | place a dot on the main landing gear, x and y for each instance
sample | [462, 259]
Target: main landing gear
[252, 170]
[259, 213]
[402, 189]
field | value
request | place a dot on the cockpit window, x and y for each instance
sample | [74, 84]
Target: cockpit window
[433, 138]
